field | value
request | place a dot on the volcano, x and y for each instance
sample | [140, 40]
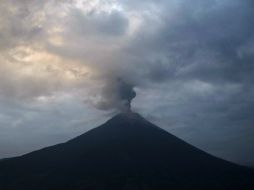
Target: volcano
[126, 153]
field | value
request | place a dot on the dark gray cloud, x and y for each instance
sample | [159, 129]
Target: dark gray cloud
[202, 41]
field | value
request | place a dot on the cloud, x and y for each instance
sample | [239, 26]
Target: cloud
[191, 66]
[99, 24]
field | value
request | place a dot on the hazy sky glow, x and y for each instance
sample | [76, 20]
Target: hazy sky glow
[191, 63]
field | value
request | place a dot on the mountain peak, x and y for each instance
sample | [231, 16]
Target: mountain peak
[125, 153]
[128, 115]
[128, 119]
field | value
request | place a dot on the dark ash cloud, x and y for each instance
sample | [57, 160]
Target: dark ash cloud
[116, 94]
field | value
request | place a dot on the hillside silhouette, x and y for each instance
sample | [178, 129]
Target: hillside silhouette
[125, 153]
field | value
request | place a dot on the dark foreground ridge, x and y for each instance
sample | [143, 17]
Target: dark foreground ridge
[125, 153]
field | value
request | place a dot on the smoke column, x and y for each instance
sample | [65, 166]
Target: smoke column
[117, 94]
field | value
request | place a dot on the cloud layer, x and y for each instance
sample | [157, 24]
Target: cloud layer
[191, 66]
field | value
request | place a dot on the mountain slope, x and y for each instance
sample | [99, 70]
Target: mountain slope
[127, 152]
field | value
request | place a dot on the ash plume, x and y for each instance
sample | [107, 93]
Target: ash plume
[117, 94]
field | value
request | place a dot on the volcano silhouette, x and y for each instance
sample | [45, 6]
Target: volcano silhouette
[125, 153]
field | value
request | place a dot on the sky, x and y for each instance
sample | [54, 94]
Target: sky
[67, 66]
